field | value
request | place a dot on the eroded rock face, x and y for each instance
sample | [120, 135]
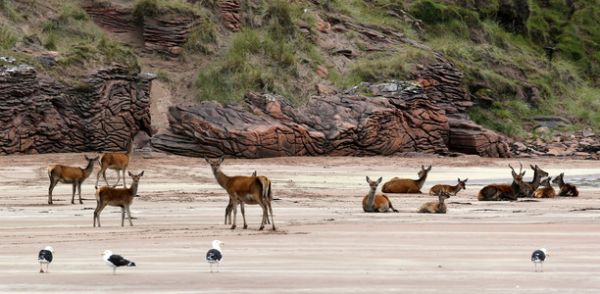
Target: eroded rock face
[471, 138]
[336, 125]
[40, 115]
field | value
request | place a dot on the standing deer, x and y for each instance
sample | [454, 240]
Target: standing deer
[69, 175]
[532, 186]
[376, 203]
[245, 190]
[566, 189]
[499, 192]
[397, 185]
[115, 161]
[547, 191]
[229, 207]
[121, 197]
[452, 190]
[436, 207]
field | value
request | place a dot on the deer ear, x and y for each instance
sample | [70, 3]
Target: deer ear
[422, 167]
[380, 179]
[368, 180]
[142, 173]
[206, 159]
[254, 174]
[465, 180]
[429, 168]
[130, 174]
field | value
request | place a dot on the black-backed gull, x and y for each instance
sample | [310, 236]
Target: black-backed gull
[214, 255]
[45, 257]
[115, 261]
[539, 256]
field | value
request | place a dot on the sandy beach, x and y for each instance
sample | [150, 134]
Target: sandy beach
[325, 243]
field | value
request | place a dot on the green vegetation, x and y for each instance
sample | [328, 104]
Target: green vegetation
[143, 8]
[266, 59]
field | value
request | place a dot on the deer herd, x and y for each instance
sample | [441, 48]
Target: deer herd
[256, 190]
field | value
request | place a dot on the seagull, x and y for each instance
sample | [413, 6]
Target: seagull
[115, 261]
[45, 257]
[214, 255]
[539, 256]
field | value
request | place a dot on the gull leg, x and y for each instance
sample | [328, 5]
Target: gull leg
[211, 267]
[114, 270]
[218, 271]
[41, 268]
[542, 266]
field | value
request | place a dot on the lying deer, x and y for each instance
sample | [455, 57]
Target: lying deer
[547, 191]
[452, 190]
[436, 207]
[397, 185]
[566, 189]
[245, 190]
[121, 197]
[499, 192]
[376, 203]
[69, 175]
[532, 186]
[115, 161]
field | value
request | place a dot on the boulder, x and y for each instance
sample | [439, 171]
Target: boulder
[471, 138]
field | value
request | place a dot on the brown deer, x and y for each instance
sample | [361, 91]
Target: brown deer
[115, 161]
[397, 185]
[376, 203]
[121, 197]
[229, 207]
[452, 190]
[547, 191]
[436, 207]
[566, 189]
[69, 175]
[531, 187]
[500, 192]
[244, 190]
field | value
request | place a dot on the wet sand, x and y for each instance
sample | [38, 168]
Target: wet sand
[324, 242]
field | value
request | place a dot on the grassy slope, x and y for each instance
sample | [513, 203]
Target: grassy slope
[275, 52]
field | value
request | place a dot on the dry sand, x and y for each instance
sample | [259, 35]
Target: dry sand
[324, 242]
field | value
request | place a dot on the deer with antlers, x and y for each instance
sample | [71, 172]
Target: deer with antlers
[566, 189]
[115, 161]
[398, 185]
[451, 190]
[436, 207]
[69, 175]
[376, 203]
[244, 190]
[122, 197]
[499, 192]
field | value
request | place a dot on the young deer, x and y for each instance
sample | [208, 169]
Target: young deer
[499, 192]
[436, 207]
[121, 197]
[532, 186]
[115, 161]
[452, 190]
[566, 189]
[397, 185]
[547, 191]
[69, 175]
[244, 190]
[376, 203]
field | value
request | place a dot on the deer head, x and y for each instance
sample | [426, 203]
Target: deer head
[374, 184]
[424, 171]
[215, 163]
[462, 184]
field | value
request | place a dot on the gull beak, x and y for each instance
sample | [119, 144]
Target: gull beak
[222, 243]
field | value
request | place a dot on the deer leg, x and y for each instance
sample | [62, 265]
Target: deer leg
[124, 182]
[101, 171]
[129, 215]
[104, 176]
[79, 187]
[118, 178]
[234, 216]
[262, 224]
[228, 212]
[271, 212]
[243, 215]
[52, 185]
[74, 190]
[97, 212]
[122, 215]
